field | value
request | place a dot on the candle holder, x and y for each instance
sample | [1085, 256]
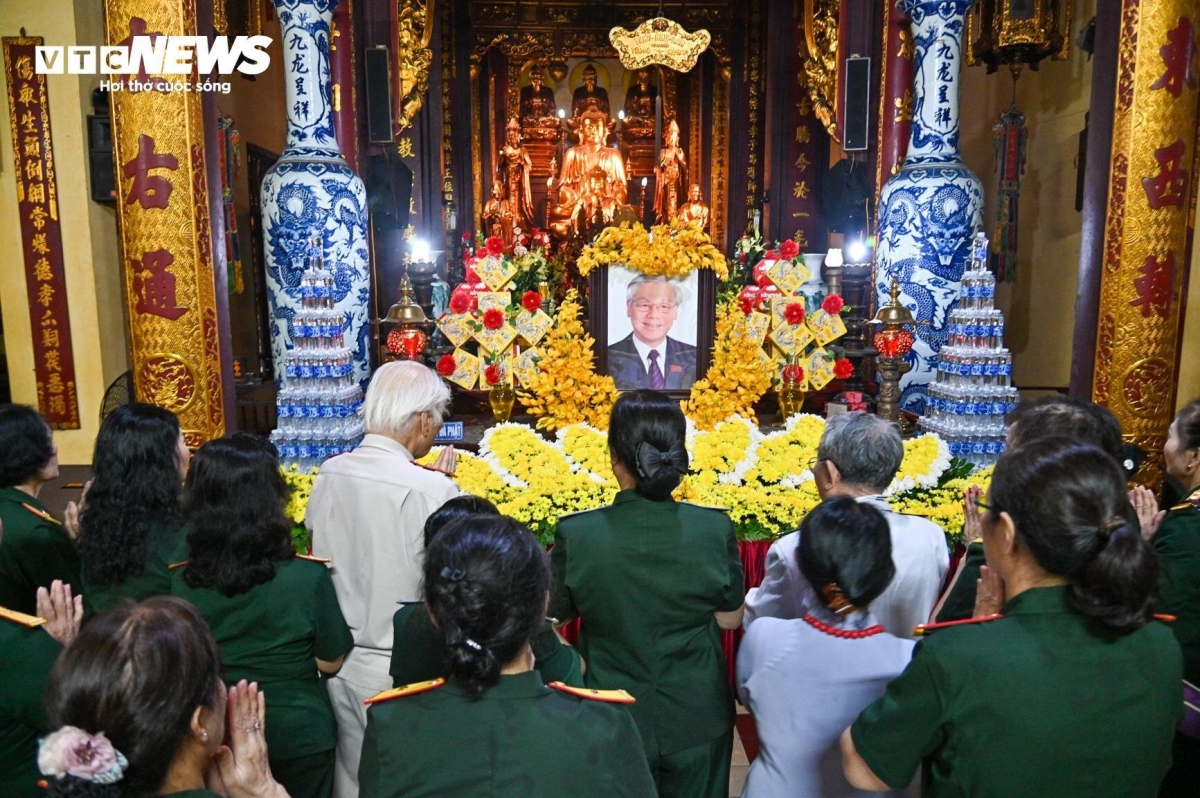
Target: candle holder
[411, 334]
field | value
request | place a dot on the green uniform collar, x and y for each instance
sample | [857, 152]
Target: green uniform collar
[631, 495]
[20, 497]
[1039, 601]
[513, 686]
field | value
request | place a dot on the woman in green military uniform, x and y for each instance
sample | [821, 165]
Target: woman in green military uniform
[36, 548]
[130, 526]
[654, 581]
[1177, 543]
[1069, 687]
[28, 648]
[495, 729]
[418, 653]
[274, 615]
[139, 709]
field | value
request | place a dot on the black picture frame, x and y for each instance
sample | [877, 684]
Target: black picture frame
[706, 322]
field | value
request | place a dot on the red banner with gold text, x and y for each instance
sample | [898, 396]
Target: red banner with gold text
[41, 234]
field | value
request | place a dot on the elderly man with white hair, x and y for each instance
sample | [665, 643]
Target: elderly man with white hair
[367, 514]
[858, 456]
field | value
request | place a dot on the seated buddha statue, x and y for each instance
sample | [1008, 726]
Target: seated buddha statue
[578, 178]
[694, 210]
[589, 95]
[639, 107]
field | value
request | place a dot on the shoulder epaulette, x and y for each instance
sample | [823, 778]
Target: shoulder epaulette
[310, 558]
[408, 689]
[1191, 502]
[607, 696]
[42, 514]
[1160, 616]
[933, 627]
[707, 507]
[175, 565]
[21, 618]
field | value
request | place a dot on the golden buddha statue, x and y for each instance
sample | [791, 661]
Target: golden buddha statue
[498, 218]
[694, 210]
[670, 176]
[594, 206]
[513, 165]
[579, 180]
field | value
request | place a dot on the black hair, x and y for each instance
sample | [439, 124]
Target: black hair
[849, 544]
[1187, 425]
[137, 674]
[1068, 417]
[135, 488]
[26, 442]
[234, 500]
[649, 418]
[1071, 510]
[458, 507]
[486, 583]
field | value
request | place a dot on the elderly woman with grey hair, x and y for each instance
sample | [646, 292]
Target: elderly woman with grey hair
[367, 514]
[858, 457]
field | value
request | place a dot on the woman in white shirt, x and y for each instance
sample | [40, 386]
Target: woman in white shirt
[805, 679]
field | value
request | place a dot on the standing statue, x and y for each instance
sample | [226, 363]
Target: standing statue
[537, 99]
[670, 176]
[694, 210]
[498, 217]
[513, 164]
[589, 94]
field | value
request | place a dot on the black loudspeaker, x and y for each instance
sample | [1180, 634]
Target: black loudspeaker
[389, 183]
[379, 95]
[101, 171]
[857, 104]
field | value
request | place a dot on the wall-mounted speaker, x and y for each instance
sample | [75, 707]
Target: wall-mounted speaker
[378, 68]
[855, 135]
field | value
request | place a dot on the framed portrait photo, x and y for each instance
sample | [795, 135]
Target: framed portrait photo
[652, 332]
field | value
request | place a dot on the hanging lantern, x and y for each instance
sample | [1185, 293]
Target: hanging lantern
[1018, 33]
[408, 339]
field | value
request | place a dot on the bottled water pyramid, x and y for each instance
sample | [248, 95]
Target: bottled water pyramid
[972, 392]
[319, 401]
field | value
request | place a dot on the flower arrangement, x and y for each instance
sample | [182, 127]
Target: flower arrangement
[300, 485]
[738, 377]
[566, 389]
[673, 250]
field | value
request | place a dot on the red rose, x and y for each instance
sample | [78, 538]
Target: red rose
[446, 365]
[793, 373]
[493, 318]
[531, 301]
[460, 303]
[495, 246]
[833, 304]
[789, 249]
[770, 254]
[493, 374]
[746, 305]
[794, 313]
[843, 368]
[481, 252]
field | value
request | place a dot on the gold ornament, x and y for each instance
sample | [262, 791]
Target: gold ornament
[659, 41]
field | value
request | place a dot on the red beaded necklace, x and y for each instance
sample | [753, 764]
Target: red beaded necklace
[843, 633]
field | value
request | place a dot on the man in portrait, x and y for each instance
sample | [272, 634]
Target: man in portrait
[648, 357]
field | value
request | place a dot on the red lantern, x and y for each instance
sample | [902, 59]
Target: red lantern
[893, 342]
[407, 342]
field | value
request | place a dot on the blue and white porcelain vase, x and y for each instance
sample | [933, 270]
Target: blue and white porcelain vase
[312, 193]
[932, 207]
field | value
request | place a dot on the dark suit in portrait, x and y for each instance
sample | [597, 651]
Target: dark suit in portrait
[629, 373]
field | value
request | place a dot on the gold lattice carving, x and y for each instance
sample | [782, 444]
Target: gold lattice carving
[1147, 230]
[169, 275]
[820, 60]
[414, 27]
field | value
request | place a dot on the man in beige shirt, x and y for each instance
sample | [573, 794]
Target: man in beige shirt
[367, 513]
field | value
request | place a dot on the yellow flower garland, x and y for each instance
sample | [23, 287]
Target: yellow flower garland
[737, 377]
[673, 250]
[566, 389]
